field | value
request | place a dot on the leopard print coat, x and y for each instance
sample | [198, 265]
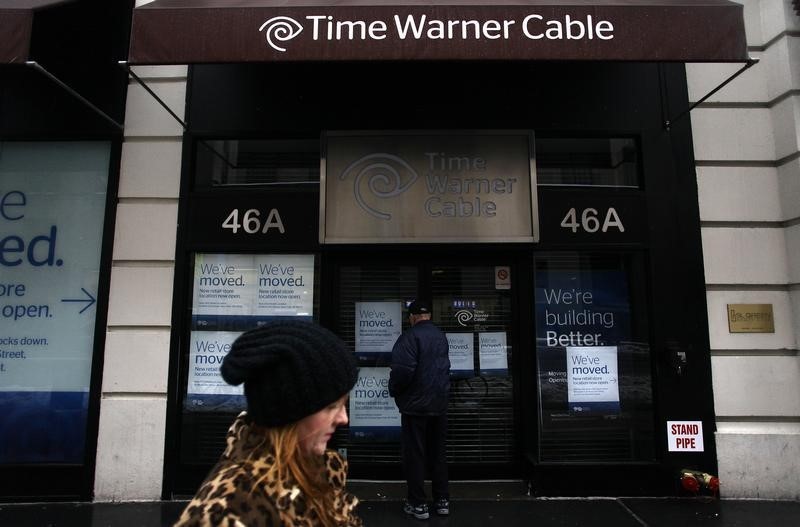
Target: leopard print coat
[235, 495]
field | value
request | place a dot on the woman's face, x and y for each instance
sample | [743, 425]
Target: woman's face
[315, 430]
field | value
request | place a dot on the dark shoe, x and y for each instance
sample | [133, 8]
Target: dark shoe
[442, 507]
[420, 512]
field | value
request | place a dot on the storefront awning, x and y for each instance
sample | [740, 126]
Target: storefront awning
[225, 31]
[16, 28]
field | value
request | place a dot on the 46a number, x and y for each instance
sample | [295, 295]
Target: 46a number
[588, 220]
[251, 221]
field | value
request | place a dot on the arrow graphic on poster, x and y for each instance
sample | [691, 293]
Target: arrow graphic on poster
[90, 300]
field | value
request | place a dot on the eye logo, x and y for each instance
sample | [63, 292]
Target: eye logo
[280, 29]
[463, 316]
[379, 175]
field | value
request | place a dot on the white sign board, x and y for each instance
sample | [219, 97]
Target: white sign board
[241, 287]
[592, 379]
[207, 349]
[52, 205]
[462, 351]
[685, 436]
[493, 353]
[378, 324]
[52, 210]
[373, 411]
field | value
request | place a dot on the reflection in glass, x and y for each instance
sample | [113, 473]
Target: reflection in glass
[587, 162]
[222, 163]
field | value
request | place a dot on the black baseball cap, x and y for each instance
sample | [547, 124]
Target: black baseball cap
[419, 307]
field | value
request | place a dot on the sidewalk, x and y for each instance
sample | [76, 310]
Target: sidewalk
[527, 512]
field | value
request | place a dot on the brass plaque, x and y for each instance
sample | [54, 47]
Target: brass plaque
[751, 318]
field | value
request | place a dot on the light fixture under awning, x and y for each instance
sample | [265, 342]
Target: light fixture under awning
[16, 28]
[225, 31]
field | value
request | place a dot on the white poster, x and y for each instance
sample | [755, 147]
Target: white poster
[242, 290]
[592, 379]
[285, 285]
[52, 211]
[373, 412]
[52, 206]
[462, 351]
[378, 324]
[493, 352]
[223, 284]
[207, 349]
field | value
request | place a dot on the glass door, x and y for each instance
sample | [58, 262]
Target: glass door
[472, 304]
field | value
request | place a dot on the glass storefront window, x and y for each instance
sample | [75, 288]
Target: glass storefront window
[241, 162]
[593, 359]
[231, 294]
[587, 162]
[52, 209]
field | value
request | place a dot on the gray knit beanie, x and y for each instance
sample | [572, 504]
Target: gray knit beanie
[290, 369]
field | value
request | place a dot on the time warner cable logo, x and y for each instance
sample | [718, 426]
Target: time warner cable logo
[463, 317]
[381, 176]
[534, 26]
[280, 29]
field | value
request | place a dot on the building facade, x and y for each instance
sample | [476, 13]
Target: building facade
[647, 229]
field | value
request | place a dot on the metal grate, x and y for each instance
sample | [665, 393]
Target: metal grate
[203, 437]
[480, 414]
[481, 411]
[371, 283]
[589, 444]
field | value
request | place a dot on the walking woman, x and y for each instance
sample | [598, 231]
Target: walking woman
[276, 469]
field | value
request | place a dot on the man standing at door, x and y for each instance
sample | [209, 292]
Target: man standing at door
[420, 384]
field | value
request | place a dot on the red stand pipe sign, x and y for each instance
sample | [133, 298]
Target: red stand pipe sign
[685, 436]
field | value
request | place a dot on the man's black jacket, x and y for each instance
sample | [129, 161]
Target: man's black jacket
[420, 376]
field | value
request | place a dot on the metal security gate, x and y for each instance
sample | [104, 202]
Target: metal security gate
[474, 309]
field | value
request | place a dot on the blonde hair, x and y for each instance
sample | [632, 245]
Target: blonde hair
[308, 471]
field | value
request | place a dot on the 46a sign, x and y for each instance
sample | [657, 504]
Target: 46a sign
[237, 219]
[590, 217]
[251, 223]
[589, 220]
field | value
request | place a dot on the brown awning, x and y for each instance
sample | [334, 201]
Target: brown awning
[16, 28]
[221, 31]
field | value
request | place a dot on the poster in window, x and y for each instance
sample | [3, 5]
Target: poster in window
[462, 353]
[285, 285]
[377, 327]
[493, 353]
[592, 380]
[52, 209]
[232, 294]
[575, 310]
[242, 291]
[373, 412]
[205, 388]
